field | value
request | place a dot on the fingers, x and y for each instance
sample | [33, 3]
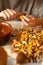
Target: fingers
[14, 13]
[8, 14]
[25, 23]
[25, 20]
[29, 21]
[3, 15]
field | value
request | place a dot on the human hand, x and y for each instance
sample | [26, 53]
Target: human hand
[31, 21]
[8, 14]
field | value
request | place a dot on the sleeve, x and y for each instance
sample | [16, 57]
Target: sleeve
[4, 4]
[24, 5]
[0, 5]
[37, 9]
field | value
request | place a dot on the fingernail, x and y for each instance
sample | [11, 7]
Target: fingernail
[26, 18]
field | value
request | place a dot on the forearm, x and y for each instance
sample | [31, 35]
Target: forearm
[40, 21]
